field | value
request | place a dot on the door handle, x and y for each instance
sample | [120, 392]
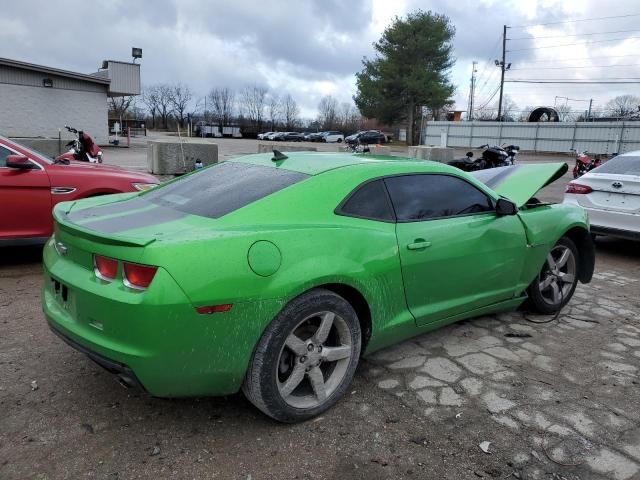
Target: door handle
[418, 244]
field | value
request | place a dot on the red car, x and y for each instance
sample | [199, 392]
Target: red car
[31, 184]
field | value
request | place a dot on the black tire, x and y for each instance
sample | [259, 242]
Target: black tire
[262, 384]
[538, 300]
[339, 140]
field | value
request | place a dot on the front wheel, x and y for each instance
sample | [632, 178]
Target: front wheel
[306, 358]
[339, 140]
[553, 287]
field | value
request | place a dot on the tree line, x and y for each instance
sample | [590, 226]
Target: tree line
[166, 106]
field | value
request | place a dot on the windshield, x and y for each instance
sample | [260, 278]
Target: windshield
[622, 165]
[34, 153]
[223, 188]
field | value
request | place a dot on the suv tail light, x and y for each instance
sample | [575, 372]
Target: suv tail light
[138, 276]
[105, 268]
[578, 189]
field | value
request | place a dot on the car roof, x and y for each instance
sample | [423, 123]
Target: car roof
[315, 163]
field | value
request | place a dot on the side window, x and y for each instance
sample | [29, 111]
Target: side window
[4, 153]
[369, 201]
[424, 197]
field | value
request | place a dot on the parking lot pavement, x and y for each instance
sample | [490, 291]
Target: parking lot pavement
[556, 400]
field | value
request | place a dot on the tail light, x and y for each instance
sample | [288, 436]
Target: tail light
[138, 276]
[207, 310]
[578, 189]
[105, 268]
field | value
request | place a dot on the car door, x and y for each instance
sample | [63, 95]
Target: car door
[25, 200]
[456, 254]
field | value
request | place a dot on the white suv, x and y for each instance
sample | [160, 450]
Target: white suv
[333, 137]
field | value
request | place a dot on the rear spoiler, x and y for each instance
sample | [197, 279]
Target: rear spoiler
[74, 229]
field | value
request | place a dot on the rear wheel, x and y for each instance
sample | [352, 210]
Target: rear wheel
[553, 287]
[339, 140]
[306, 358]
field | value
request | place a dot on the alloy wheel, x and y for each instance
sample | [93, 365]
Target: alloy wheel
[314, 360]
[558, 275]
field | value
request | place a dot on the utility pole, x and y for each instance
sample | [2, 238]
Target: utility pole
[472, 90]
[503, 68]
[589, 113]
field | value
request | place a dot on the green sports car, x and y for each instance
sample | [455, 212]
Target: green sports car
[274, 274]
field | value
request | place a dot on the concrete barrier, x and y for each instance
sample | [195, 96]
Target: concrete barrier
[436, 154]
[49, 147]
[380, 150]
[284, 147]
[169, 156]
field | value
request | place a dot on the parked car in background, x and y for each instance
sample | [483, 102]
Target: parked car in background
[271, 135]
[289, 137]
[32, 184]
[317, 259]
[314, 137]
[367, 137]
[332, 137]
[263, 136]
[611, 196]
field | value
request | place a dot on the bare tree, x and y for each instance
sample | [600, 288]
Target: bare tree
[349, 117]
[180, 96]
[623, 106]
[222, 104]
[328, 112]
[119, 106]
[253, 103]
[274, 110]
[150, 100]
[290, 111]
[157, 98]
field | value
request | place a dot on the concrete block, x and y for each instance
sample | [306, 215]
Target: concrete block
[436, 154]
[47, 146]
[284, 147]
[380, 150]
[170, 156]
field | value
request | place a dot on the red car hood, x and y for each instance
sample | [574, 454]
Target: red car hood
[104, 169]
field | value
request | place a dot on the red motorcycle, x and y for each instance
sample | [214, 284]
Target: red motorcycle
[82, 148]
[584, 163]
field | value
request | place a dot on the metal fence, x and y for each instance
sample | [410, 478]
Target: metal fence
[595, 137]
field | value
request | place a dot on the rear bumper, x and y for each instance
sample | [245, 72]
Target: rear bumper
[615, 232]
[610, 221]
[124, 373]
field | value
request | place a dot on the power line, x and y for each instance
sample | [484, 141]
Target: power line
[573, 44]
[573, 67]
[579, 20]
[573, 35]
[581, 82]
[586, 58]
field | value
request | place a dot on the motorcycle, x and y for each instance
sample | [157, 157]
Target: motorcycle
[584, 163]
[82, 148]
[492, 157]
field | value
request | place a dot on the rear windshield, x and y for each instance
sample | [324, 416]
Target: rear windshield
[223, 188]
[623, 165]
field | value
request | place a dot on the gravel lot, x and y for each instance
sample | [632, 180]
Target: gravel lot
[559, 400]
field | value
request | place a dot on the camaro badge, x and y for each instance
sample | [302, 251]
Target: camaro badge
[616, 184]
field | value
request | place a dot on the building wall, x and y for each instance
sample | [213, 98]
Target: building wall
[596, 137]
[36, 111]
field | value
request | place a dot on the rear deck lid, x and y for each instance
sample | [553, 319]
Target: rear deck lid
[519, 183]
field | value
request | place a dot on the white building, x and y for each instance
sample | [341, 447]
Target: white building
[37, 101]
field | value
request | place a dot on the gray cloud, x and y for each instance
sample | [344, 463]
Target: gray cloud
[309, 48]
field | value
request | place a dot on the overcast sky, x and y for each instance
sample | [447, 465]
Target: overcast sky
[312, 48]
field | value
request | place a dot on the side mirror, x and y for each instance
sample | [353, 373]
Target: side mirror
[505, 207]
[469, 154]
[20, 162]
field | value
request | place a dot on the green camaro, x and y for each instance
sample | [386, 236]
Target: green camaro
[274, 275]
